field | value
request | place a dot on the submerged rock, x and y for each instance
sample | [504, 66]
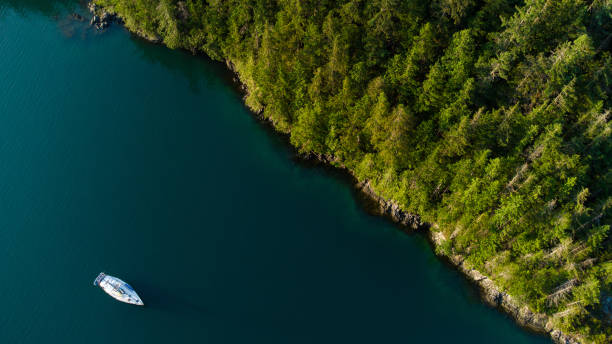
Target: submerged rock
[77, 16]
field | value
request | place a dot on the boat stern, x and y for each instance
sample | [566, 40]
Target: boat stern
[99, 279]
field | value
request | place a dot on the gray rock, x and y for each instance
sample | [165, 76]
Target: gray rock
[107, 17]
[389, 207]
[101, 18]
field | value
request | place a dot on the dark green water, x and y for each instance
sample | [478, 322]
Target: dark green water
[124, 157]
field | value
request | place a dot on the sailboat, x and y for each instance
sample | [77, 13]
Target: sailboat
[118, 289]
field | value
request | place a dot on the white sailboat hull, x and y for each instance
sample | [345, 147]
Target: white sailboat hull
[118, 289]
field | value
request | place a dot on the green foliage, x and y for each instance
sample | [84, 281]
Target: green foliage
[489, 118]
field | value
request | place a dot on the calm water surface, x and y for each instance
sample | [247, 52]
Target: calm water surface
[125, 157]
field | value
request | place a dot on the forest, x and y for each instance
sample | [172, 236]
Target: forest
[490, 119]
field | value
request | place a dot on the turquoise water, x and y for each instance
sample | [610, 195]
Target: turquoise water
[125, 157]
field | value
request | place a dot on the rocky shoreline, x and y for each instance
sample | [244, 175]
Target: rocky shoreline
[101, 18]
[490, 292]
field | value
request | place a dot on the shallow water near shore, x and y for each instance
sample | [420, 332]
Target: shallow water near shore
[121, 156]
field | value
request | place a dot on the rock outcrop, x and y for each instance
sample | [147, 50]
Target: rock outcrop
[391, 209]
[101, 18]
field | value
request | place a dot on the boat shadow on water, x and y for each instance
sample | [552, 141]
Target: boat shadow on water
[166, 301]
